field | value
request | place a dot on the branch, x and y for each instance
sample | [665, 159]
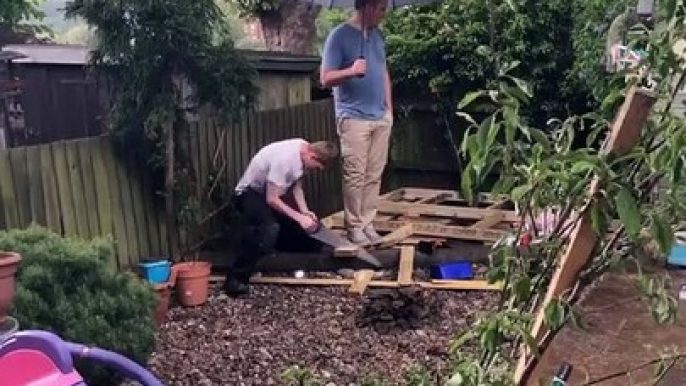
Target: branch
[674, 358]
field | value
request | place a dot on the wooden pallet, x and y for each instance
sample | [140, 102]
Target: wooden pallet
[427, 214]
[408, 216]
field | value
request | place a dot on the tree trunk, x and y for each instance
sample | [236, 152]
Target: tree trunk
[291, 28]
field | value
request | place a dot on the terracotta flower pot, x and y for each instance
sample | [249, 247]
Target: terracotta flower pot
[9, 261]
[163, 296]
[192, 282]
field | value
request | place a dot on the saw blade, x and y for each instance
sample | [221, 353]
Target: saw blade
[328, 237]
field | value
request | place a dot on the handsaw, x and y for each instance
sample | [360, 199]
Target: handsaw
[328, 237]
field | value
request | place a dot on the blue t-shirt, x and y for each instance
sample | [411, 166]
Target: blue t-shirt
[360, 97]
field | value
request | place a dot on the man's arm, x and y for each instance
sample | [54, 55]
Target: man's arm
[331, 74]
[332, 78]
[299, 196]
[389, 92]
[276, 203]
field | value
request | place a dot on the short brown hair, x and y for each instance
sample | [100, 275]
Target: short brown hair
[325, 150]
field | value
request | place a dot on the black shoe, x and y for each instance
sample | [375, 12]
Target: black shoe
[233, 287]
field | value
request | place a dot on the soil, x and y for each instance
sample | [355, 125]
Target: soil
[342, 338]
[619, 335]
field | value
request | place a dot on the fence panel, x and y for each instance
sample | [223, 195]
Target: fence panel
[81, 187]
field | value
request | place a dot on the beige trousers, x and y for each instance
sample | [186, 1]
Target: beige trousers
[364, 151]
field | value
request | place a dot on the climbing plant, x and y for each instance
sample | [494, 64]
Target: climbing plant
[549, 180]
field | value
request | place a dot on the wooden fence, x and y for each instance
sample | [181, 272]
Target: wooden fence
[80, 187]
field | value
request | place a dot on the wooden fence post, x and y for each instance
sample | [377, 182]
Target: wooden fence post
[624, 135]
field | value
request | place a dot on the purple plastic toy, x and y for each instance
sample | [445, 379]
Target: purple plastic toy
[41, 358]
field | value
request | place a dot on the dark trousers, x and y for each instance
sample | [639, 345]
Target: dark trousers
[265, 231]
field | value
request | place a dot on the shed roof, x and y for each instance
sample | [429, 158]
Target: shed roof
[70, 54]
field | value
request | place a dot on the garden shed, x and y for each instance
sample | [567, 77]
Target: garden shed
[63, 100]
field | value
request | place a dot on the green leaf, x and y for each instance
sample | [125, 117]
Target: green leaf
[582, 166]
[522, 287]
[662, 233]
[541, 138]
[554, 314]
[469, 98]
[456, 380]
[598, 218]
[627, 209]
[467, 182]
[519, 192]
[468, 117]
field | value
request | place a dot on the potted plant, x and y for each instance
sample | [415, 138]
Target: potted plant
[9, 261]
[192, 281]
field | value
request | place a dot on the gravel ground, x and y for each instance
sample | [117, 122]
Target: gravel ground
[341, 338]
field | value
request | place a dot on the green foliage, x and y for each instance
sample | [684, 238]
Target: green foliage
[544, 174]
[326, 21]
[12, 12]
[255, 8]
[443, 50]
[297, 376]
[65, 285]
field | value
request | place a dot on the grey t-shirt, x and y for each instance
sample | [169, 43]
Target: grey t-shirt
[363, 97]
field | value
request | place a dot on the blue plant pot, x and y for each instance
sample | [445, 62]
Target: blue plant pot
[156, 272]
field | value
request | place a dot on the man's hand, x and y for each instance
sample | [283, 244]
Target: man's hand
[307, 223]
[359, 67]
[310, 214]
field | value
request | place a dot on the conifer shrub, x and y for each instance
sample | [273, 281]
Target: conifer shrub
[66, 285]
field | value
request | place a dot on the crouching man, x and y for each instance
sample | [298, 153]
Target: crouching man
[277, 169]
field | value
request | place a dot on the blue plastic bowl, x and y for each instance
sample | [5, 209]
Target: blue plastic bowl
[156, 272]
[677, 256]
[453, 271]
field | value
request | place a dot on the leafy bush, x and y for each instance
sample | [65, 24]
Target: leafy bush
[64, 285]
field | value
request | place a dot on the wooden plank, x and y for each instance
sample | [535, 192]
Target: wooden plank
[443, 211]
[103, 201]
[406, 265]
[205, 156]
[117, 209]
[152, 212]
[436, 198]
[138, 211]
[130, 232]
[489, 221]
[51, 198]
[64, 186]
[477, 285]
[85, 149]
[481, 285]
[76, 180]
[9, 198]
[435, 230]
[20, 176]
[626, 131]
[34, 164]
[346, 251]
[361, 281]
[397, 236]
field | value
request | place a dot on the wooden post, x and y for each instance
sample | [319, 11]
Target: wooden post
[626, 131]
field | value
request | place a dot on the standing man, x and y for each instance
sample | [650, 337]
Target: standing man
[354, 65]
[277, 169]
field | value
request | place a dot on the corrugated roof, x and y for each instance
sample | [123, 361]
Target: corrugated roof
[9, 55]
[66, 54]
[50, 53]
